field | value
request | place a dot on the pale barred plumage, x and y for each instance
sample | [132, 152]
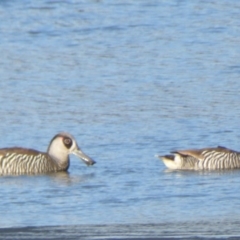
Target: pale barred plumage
[218, 158]
[21, 160]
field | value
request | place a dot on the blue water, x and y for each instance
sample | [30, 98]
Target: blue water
[129, 79]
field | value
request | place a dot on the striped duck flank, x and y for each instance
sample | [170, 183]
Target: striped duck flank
[21, 160]
[218, 158]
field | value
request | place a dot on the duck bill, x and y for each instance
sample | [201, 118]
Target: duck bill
[86, 159]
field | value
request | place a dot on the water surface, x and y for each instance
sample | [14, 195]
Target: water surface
[128, 80]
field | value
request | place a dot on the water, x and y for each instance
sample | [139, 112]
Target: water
[128, 80]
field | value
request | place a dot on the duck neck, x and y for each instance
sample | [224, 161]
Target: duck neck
[61, 158]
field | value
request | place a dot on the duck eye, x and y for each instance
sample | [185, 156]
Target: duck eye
[67, 142]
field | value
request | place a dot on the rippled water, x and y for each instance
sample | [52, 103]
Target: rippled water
[128, 80]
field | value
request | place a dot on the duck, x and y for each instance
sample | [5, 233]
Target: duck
[18, 160]
[216, 158]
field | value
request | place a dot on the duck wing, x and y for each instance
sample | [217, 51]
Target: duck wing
[201, 154]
